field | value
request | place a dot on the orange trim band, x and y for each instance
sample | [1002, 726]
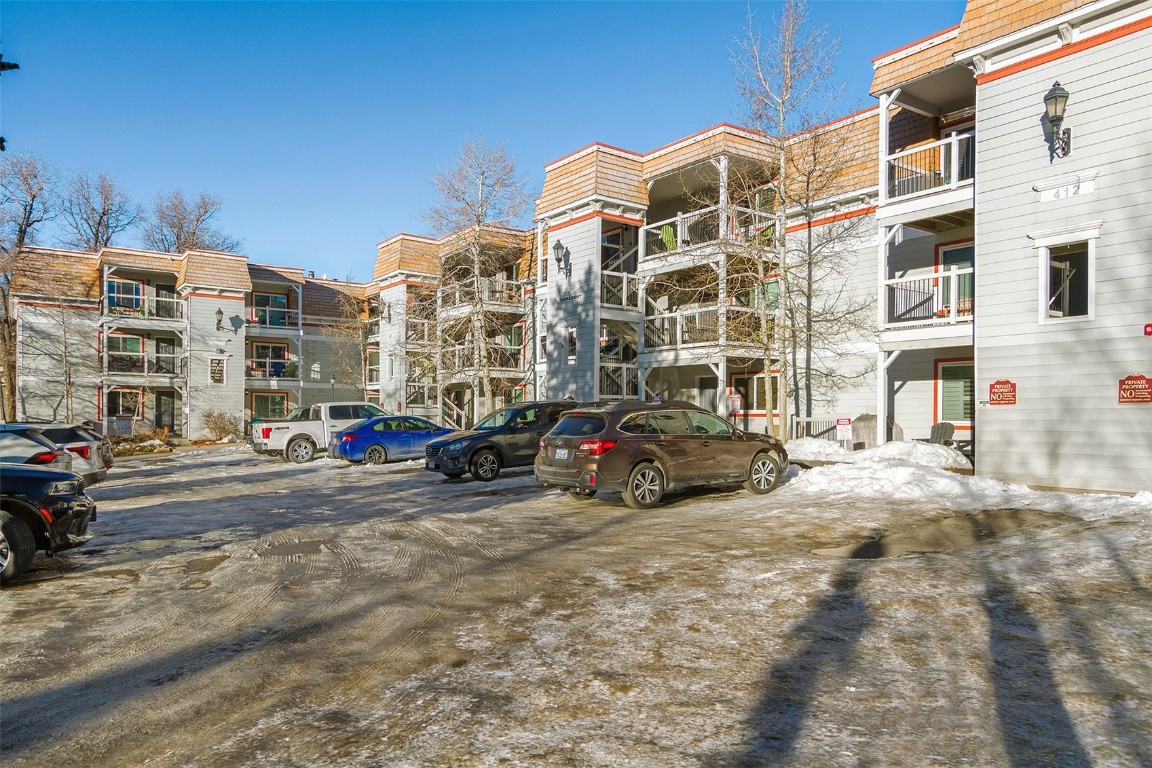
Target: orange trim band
[1067, 50]
[598, 215]
[832, 219]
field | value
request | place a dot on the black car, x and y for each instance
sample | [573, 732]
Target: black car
[40, 509]
[508, 437]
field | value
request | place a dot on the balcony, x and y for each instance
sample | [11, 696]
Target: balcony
[420, 333]
[500, 358]
[268, 317]
[942, 298]
[495, 294]
[701, 327]
[703, 228]
[118, 308]
[620, 289]
[271, 368]
[135, 363]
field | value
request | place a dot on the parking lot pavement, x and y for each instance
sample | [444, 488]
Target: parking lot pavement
[236, 610]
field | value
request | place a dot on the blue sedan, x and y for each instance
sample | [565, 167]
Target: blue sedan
[384, 438]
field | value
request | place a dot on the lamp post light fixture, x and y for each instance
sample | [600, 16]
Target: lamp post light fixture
[1054, 102]
[562, 264]
[219, 319]
[332, 384]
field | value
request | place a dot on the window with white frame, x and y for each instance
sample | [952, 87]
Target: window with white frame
[269, 405]
[758, 392]
[955, 383]
[123, 402]
[571, 347]
[1067, 267]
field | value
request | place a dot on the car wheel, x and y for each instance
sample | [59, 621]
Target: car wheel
[763, 475]
[486, 466]
[301, 451]
[376, 454]
[580, 494]
[17, 546]
[645, 487]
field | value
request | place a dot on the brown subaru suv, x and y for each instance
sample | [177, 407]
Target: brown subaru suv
[642, 449]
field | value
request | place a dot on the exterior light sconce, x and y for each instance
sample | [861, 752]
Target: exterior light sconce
[563, 264]
[332, 384]
[1054, 102]
[219, 319]
[388, 313]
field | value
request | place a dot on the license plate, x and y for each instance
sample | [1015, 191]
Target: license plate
[560, 454]
[430, 464]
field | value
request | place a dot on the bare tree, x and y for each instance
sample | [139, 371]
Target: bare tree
[480, 194]
[26, 184]
[786, 81]
[349, 334]
[95, 211]
[175, 226]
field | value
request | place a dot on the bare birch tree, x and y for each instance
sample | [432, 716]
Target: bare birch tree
[95, 210]
[786, 81]
[174, 225]
[482, 190]
[26, 184]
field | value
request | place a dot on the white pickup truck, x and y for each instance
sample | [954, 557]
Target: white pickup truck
[305, 432]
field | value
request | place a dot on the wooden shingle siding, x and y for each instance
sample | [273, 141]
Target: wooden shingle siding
[333, 299]
[987, 20]
[922, 61]
[725, 140]
[44, 271]
[271, 274]
[907, 129]
[206, 269]
[147, 260]
[406, 253]
[599, 171]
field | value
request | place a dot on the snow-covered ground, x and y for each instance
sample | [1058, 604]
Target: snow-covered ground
[235, 610]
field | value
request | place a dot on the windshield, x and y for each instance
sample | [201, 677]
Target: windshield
[496, 419]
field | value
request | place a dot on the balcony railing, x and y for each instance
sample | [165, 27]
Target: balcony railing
[941, 165]
[271, 368]
[137, 363]
[705, 227]
[619, 381]
[487, 290]
[144, 306]
[500, 357]
[619, 289]
[694, 327]
[935, 299]
[420, 331]
[273, 318]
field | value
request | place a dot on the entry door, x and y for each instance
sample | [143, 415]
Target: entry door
[709, 388]
[166, 409]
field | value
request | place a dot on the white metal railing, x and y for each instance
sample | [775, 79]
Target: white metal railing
[272, 368]
[619, 381]
[930, 299]
[144, 306]
[693, 327]
[941, 165]
[489, 290]
[420, 331]
[273, 318]
[706, 226]
[620, 289]
[140, 363]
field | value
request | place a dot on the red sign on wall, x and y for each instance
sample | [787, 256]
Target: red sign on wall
[1135, 388]
[1002, 392]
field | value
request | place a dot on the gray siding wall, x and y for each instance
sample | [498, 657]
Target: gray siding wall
[573, 302]
[1067, 428]
[205, 344]
[59, 366]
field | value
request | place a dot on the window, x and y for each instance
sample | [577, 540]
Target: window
[1068, 284]
[125, 354]
[270, 309]
[963, 258]
[571, 346]
[955, 382]
[269, 405]
[125, 295]
[122, 402]
[708, 424]
[668, 423]
[758, 392]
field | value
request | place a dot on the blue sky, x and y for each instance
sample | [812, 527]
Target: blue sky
[319, 124]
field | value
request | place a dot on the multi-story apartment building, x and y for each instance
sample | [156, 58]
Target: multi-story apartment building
[142, 340]
[1001, 255]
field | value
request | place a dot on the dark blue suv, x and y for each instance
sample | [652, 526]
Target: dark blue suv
[508, 437]
[40, 509]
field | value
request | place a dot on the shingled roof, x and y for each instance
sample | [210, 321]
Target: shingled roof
[55, 272]
[209, 269]
[329, 298]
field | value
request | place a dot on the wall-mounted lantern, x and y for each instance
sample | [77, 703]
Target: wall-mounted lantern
[562, 263]
[219, 319]
[1054, 102]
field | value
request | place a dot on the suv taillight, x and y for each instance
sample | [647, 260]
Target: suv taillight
[597, 447]
[47, 457]
[83, 451]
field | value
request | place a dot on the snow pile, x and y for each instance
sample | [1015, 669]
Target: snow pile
[922, 454]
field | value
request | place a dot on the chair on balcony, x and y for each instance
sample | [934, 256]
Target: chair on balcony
[277, 369]
[668, 237]
[940, 434]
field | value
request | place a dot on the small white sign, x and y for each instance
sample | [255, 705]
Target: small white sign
[843, 429]
[1081, 187]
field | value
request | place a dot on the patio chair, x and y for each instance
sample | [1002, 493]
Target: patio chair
[940, 434]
